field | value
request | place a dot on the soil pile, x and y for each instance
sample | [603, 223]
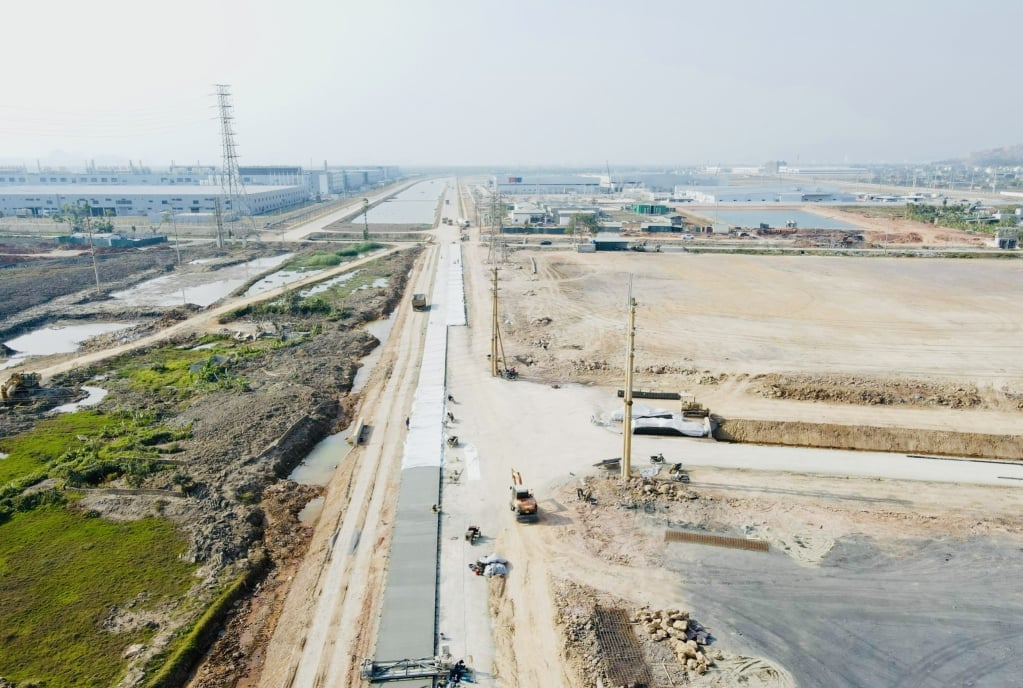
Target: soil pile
[849, 389]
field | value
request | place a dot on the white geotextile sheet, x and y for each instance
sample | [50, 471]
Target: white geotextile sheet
[455, 307]
[640, 411]
[688, 428]
[424, 445]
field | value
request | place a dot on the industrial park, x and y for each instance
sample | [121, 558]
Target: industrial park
[758, 454]
[439, 348]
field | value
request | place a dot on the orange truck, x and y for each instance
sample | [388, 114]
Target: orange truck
[523, 503]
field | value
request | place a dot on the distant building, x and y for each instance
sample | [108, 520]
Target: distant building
[148, 201]
[822, 170]
[650, 209]
[550, 185]
[609, 242]
[526, 213]
[710, 195]
[112, 240]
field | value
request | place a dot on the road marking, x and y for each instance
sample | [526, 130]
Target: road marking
[472, 463]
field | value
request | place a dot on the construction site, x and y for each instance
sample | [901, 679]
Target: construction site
[571, 469]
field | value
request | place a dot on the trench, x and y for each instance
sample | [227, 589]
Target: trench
[870, 438]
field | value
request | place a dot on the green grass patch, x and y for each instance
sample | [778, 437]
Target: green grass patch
[82, 448]
[168, 372]
[32, 451]
[60, 572]
[326, 259]
[175, 667]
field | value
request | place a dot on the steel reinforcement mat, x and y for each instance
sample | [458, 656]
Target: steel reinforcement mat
[715, 540]
[620, 650]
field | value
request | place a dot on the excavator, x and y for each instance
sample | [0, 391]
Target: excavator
[523, 503]
[18, 386]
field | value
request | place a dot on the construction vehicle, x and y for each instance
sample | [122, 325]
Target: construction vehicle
[419, 302]
[523, 503]
[690, 408]
[17, 387]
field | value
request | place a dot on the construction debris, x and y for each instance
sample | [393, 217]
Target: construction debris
[686, 637]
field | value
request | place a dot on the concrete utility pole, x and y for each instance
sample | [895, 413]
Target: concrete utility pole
[493, 327]
[92, 243]
[365, 219]
[630, 363]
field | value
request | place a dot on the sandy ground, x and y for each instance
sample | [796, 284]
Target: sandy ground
[878, 580]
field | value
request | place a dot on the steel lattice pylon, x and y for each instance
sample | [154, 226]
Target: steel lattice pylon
[231, 183]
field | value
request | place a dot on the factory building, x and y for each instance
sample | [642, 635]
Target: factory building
[710, 195]
[319, 183]
[133, 176]
[148, 201]
[550, 185]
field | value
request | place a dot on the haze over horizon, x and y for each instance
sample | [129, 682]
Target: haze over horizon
[529, 83]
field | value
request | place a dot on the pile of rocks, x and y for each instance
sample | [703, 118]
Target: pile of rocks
[645, 489]
[685, 636]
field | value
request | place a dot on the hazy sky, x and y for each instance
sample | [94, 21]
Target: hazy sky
[512, 82]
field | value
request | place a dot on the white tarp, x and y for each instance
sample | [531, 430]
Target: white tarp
[676, 425]
[455, 286]
[640, 411]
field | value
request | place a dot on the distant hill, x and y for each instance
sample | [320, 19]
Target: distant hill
[1007, 155]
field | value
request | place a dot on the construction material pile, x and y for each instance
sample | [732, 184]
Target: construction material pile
[650, 489]
[685, 636]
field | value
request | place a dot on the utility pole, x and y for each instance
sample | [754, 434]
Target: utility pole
[92, 244]
[220, 222]
[630, 362]
[493, 327]
[365, 219]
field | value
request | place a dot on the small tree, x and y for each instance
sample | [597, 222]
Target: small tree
[77, 218]
[582, 223]
[103, 227]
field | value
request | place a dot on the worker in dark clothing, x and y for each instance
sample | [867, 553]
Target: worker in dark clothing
[406, 422]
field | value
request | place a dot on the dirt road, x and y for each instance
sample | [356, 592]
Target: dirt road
[328, 622]
[202, 322]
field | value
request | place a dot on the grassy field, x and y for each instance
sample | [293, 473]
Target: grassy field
[60, 572]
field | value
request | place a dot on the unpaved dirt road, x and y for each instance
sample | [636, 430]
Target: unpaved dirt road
[205, 321]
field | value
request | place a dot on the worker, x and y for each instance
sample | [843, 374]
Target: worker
[406, 422]
[451, 417]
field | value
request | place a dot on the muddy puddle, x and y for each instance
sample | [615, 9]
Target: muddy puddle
[199, 288]
[381, 329]
[311, 511]
[327, 284]
[318, 467]
[279, 279]
[96, 395]
[57, 339]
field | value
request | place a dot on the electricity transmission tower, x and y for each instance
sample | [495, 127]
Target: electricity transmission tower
[231, 184]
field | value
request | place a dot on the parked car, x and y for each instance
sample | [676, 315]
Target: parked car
[545, 242]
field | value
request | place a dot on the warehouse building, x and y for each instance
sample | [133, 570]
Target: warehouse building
[550, 185]
[145, 201]
[710, 195]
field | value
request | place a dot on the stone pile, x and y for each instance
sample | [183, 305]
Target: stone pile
[685, 636]
[647, 489]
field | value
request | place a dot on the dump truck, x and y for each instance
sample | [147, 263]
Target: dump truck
[419, 302]
[522, 503]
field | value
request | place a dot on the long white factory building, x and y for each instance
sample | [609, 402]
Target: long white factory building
[147, 201]
[181, 189]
